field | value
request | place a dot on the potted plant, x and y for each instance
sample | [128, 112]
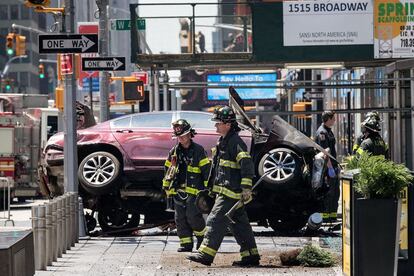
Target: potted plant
[377, 211]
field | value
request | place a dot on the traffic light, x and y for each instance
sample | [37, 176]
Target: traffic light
[133, 90]
[37, 3]
[7, 85]
[41, 71]
[59, 93]
[10, 44]
[20, 45]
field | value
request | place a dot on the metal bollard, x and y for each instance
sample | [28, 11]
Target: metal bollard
[68, 223]
[59, 226]
[73, 198]
[54, 230]
[49, 234]
[82, 230]
[77, 218]
[39, 223]
[63, 223]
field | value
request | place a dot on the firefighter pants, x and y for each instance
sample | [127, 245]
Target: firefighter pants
[218, 225]
[331, 199]
[188, 220]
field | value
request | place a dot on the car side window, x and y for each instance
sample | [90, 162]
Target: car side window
[122, 122]
[161, 120]
[198, 120]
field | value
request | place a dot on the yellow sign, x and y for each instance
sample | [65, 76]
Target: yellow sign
[346, 227]
[404, 224]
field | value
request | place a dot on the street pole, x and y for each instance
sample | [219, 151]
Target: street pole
[165, 90]
[103, 52]
[70, 150]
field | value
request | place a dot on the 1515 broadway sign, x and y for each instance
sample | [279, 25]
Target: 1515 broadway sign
[393, 29]
[325, 22]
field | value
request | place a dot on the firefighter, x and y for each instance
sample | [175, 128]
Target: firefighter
[326, 139]
[191, 169]
[372, 141]
[231, 180]
[361, 137]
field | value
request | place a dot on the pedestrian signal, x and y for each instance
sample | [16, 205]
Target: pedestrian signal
[41, 71]
[37, 3]
[20, 45]
[10, 44]
[133, 90]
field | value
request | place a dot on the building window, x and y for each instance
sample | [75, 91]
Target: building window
[14, 11]
[24, 12]
[4, 12]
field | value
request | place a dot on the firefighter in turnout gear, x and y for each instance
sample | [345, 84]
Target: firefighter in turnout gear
[372, 141]
[374, 115]
[187, 169]
[326, 139]
[231, 180]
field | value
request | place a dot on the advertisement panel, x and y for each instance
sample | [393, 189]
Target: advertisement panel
[248, 79]
[393, 29]
[326, 22]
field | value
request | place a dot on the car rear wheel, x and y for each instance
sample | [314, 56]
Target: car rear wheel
[288, 225]
[282, 165]
[99, 172]
[115, 218]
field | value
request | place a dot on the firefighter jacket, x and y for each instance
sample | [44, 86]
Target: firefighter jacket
[191, 169]
[374, 145]
[233, 166]
[326, 139]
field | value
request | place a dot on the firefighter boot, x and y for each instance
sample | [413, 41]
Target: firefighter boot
[199, 241]
[248, 261]
[185, 248]
[199, 258]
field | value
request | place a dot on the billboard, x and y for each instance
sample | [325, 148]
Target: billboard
[393, 29]
[327, 22]
[248, 79]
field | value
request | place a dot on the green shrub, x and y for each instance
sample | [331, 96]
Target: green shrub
[315, 257]
[378, 177]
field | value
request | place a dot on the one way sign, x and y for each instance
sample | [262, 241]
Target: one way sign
[70, 43]
[103, 64]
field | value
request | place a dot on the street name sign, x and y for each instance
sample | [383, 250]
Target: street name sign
[125, 24]
[70, 43]
[103, 63]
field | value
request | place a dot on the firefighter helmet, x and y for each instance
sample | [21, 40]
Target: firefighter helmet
[204, 202]
[373, 114]
[182, 127]
[224, 114]
[371, 124]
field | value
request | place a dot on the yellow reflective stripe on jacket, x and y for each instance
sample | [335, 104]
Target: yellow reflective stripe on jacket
[224, 191]
[200, 233]
[241, 155]
[203, 162]
[246, 182]
[355, 147]
[165, 183]
[186, 240]
[192, 191]
[254, 251]
[360, 151]
[228, 163]
[167, 163]
[171, 192]
[193, 169]
[207, 250]
[205, 183]
[245, 253]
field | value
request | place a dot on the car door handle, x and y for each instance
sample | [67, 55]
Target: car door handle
[124, 131]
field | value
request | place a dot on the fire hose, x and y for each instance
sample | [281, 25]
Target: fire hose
[241, 202]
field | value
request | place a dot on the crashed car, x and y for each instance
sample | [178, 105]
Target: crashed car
[121, 166]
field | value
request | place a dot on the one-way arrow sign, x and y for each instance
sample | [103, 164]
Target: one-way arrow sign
[103, 64]
[70, 43]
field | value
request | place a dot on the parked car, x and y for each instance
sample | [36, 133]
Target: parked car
[121, 164]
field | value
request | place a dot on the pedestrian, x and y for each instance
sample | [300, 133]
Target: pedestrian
[361, 137]
[187, 169]
[372, 142]
[201, 42]
[231, 180]
[326, 139]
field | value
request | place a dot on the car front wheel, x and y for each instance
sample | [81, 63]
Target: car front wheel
[99, 172]
[282, 166]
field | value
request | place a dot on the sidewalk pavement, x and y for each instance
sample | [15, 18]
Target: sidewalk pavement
[155, 254]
